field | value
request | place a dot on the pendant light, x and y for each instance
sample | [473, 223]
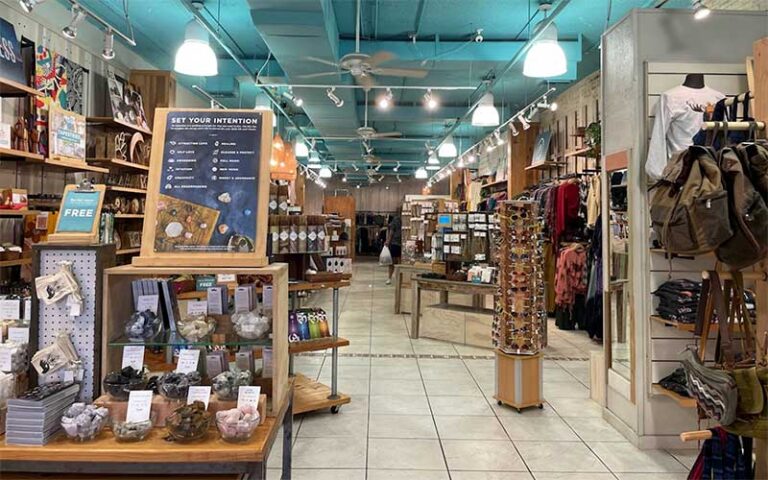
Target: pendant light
[546, 57]
[432, 159]
[421, 173]
[300, 148]
[325, 172]
[195, 56]
[314, 157]
[485, 115]
[447, 149]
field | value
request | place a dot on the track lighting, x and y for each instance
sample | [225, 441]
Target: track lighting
[700, 11]
[460, 162]
[399, 180]
[78, 14]
[421, 173]
[471, 158]
[314, 157]
[397, 167]
[489, 146]
[513, 128]
[293, 98]
[447, 149]
[300, 148]
[355, 167]
[385, 101]
[195, 56]
[344, 178]
[546, 57]
[523, 122]
[485, 115]
[357, 186]
[544, 104]
[108, 52]
[430, 102]
[325, 172]
[331, 93]
[377, 167]
[498, 138]
[29, 5]
[432, 159]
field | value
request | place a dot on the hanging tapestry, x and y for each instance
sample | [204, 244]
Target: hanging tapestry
[75, 94]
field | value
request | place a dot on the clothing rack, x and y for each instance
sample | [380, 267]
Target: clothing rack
[745, 275]
[739, 98]
[696, 435]
[734, 126]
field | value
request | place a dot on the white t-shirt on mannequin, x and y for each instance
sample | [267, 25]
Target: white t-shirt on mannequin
[679, 115]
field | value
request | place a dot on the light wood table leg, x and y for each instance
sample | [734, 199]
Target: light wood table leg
[398, 287]
[415, 308]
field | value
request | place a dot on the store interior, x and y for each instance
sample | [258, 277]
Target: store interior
[384, 239]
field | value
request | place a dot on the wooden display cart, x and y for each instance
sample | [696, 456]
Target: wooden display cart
[519, 380]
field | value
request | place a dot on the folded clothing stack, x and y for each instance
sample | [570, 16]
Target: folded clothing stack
[678, 300]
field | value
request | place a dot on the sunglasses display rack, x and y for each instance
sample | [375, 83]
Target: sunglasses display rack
[520, 319]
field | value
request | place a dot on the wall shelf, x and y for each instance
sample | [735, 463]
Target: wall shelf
[15, 263]
[115, 188]
[128, 251]
[317, 344]
[129, 215]
[9, 88]
[685, 402]
[66, 165]
[109, 121]
[683, 327]
[545, 165]
[13, 154]
[117, 163]
[18, 213]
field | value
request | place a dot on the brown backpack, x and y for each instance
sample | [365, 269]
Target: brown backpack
[749, 214]
[689, 209]
[754, 155]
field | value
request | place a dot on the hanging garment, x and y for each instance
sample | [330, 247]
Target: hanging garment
[567, 209]
[594, 306]
[570, 279]
[724, 457]
[679, 114]
[593, 201]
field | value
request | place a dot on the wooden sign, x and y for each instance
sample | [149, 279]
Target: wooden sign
[66, 135]
[208, 189]
[79, 216]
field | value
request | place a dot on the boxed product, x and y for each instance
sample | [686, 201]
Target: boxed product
[13, 199]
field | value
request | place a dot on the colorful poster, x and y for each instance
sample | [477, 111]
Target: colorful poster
[11, 66]
[210, 181]
[78, 211]
[67, 134]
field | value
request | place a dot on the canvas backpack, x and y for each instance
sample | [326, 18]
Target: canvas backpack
[689, 208]
[754, 155]
[749, 214]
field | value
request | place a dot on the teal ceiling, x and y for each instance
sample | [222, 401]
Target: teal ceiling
[275, 37]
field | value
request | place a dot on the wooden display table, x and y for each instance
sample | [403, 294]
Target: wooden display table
[419, 283]
[400, 269]
[155, 455]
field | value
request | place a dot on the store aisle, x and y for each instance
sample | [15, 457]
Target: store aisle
[424, 409]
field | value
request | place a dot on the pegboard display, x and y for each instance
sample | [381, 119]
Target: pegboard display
[52, 319]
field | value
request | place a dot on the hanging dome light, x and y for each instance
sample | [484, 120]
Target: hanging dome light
[421, 173]
[300, 148]
[546, 57]
[485, 115]
[432, 159]
[447, 149]
[195, 56]
[314, 157]
[325, 172]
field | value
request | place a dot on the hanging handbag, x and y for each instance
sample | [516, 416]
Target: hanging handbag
[714, 390]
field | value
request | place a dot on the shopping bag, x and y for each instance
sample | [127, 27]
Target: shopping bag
[385, 258]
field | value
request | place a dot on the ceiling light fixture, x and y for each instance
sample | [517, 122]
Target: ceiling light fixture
[471, 157]
[421, 173]
[498, 138]
[433, 167]
[314, 157]
[513, 129]
[293, 98]
[430, 102]
[108, 52]
[397, 167]
[700, 11]
[432, 159]
[385, 101]
[355, 167]
[546, 57]
[325, 172]
[29, 5]
[448, 148]
[344, 178]
[386, 187]
[485, 115]
[78, 14]
[331, 93]
[300, 148]
[546, 105]
[399, 180]
[195, 56]
[357, 186]
[489, 146]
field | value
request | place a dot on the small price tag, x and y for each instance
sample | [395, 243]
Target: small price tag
[6, 363]
[226, 278]
[248, 396]
[10, 309]
[18, 334]
[188, 360]
[148, 302]
[133, 356]
[197, 307]
[139, 406]
[202, 394]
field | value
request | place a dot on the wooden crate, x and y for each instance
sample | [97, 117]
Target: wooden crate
[118, 306]
[519, 380]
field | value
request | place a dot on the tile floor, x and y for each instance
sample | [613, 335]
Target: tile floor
[424, 409]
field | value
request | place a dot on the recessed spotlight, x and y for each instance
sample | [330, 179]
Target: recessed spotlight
[700, 11]
[430, 102]
[385, 101]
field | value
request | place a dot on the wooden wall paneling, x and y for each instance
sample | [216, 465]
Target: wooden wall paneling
[760, 54]
[520, 153]
[157, 88]
[345, 207]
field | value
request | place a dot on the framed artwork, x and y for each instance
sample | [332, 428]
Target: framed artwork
[126, 102]
[541, 149]
[66, 135]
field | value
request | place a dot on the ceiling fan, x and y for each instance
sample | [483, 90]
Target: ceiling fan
[362, 66]
[366, 133]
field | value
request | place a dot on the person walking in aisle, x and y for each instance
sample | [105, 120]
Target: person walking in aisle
[393, 242]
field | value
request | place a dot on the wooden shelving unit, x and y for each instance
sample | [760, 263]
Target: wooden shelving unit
[15, 263]
[578, 152]
[129, 215]
[318, 344]
[9, 88]
[17, 213]
[12, 154]
[545, 165]
[117, 163]
[66, 165]
[685, 402]
[128, 251]
[683, 327]
[310, 396]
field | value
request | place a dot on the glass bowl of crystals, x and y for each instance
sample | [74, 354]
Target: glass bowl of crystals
[195, 327]
[189, 423]
[126, 431]
[119, 384]
[143, 326]
[83, 422]
[175, 385]
[226, 384]
[238, 424]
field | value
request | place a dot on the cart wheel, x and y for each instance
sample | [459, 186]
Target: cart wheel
[541, 406]
[498, 402]
[335, 409]
[519, 410]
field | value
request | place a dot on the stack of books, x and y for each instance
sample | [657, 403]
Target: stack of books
[34, 418]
